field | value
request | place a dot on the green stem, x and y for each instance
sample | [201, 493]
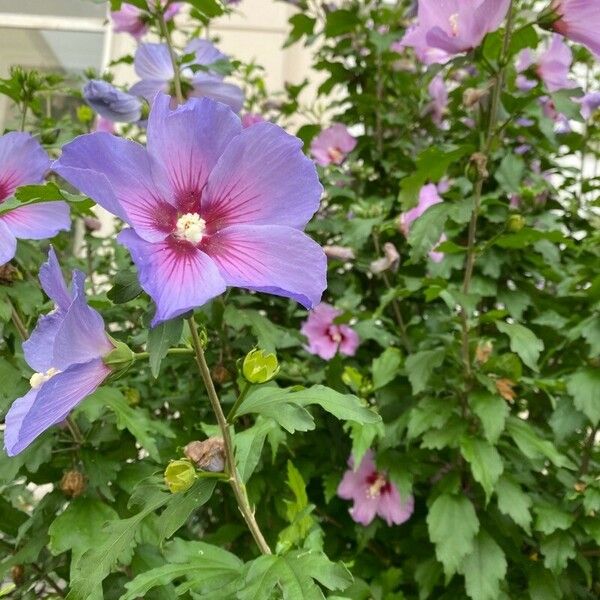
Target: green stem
[17, 321]
[485, 150]
[167, 35]
[23, 117]
[239, 489]
[238, 402]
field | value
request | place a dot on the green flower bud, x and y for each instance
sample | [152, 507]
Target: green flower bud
[515, 223]
[85, 114]
[119, 359]
[180, 476]
[259, 366]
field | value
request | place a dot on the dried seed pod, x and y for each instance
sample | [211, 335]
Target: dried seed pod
[73, 483]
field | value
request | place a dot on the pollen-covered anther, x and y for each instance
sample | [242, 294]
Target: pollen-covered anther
[454, 24]
[37, 379]
[374, 490]
[191, 227]
[335, 154]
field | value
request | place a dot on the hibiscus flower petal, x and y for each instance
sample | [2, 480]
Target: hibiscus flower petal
[23, 161]
[270, 258]
[176, 275]
[262, 178]
[117, 174]
[153, 61]
[81, 335]
[52, 402]
[393, 508]
[38, 221]
[8, 244]
[187, 142]
[53, 282]
[212, 87]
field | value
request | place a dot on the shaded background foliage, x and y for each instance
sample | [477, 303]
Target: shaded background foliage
[488, 393]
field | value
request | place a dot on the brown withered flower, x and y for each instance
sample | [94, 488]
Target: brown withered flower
[73, 483]
[208, 455]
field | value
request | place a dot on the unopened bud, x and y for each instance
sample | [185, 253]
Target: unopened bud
[259, 366]
[85, 114]
[180, 476]
[119, 359]
[515, 223]
[208, 455]
[389, 261]
[132, 396]
[339, 252]
[73, 483]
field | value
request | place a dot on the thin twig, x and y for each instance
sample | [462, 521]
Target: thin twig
[167, 35]
[239, 489]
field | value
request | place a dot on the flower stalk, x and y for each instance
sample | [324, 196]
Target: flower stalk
[481, 177]
[237, 485]
[167, 35]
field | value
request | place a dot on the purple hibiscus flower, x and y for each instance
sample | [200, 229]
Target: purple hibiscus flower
[578, 20]
[332, 145]
[553, 66]
[152, 63]
[65, 350]
[373, 494]
[111, 102]
[135, 21]
[590, 103]
[439, 99]
[325, 338]
[210, 205]
[23, 162]
[449, 27]
[428, 197]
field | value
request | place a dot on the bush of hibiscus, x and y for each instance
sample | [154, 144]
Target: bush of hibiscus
[356, 358]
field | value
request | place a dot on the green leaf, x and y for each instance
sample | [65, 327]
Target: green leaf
[558, 549]
[137, 421]
[421, 365]
[533, 446]
[269, 336]
[510, 172]
[522, 341]
[207, 568]
[484, 568]
[79, 527]
[492, 411]
[524, 37]
[452, 524]
[302, 25]
[584, 387]
[295, 574]
[426, 231]
[249, 444]
[286, 406]
[340, 22]
[485, 462]
[385, 367]
[209, 8]
[181, 506]
[125, 288]
[160, 339]
[118, 541]
[515, 503]
[549, 518]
